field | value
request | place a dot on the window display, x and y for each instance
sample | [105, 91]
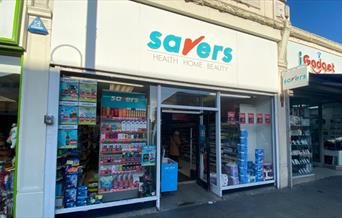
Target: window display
[246, 139]
[104, 152]
[301, 148]
[9, 96]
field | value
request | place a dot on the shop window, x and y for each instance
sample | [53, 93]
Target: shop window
[9, 97]
[301, 153]
[187, 97]
[106, 141]
[246, 139]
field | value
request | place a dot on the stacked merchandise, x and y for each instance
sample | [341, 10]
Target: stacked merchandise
[6, 190]
[77, 110]
[233, 173]
[251, 171]
[224, 179]
[243, 157]
[259, 162]
[71, 183]
[301, 146]
[124, 154]
[268, 171]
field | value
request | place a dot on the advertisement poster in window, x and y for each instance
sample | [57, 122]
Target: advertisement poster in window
[260, 119]
[148, 155]
[69, 89]
[242, 118]
[88, 91]
[87, 113]
[251, 118]
[268, 119]
[67, 138]
[68, 112]
[231, 117]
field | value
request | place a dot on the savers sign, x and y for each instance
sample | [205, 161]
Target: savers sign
[296, 77]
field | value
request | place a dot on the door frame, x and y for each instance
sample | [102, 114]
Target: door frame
[216, 189]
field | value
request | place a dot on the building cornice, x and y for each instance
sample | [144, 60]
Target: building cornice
[315, 39]
[239, 12]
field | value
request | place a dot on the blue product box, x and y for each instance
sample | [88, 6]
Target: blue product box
[243, 133]
[80, 203]
[242, 148]
[243, 164]
[169, 175]
[70, 195]
[259, 161]
[82, 191]
[242, 155]
[259, 179]
[70, 204]
[243, 179]
[243, 172]
[71, 180]
[259, 151]
[243, 140]
[258, 168]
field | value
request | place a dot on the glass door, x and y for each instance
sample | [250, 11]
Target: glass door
[206, 149]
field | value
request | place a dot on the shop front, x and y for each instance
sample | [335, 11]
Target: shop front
[10, 74]
[315, 113]
[150, 104]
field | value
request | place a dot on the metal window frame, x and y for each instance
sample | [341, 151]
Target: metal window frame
[51, 151]
[275, 151]
[49, 194]
[216, 189]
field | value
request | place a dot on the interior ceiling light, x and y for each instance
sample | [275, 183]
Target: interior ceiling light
[181, 112]
[232, 95]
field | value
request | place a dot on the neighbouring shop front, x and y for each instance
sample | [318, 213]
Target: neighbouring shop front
[154, 105]
[10, 74]
[315, 114]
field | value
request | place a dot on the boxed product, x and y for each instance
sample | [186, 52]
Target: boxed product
[251, 178]
[82, 191]
[243, 140]
[70, 195]
[224, 179]
[233, 180]
[243, 133]
[71, 180]
[268, 171]
[243, 179]
[242, 147]
[231, 169]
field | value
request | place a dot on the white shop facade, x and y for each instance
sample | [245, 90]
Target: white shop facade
[139, 81]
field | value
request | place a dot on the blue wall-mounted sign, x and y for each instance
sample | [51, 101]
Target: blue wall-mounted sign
[37, 26]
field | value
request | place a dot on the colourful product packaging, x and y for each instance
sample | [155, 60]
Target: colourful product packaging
[70, 195]
[71, 180]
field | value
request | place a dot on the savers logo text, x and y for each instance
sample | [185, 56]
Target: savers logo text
[176, 44]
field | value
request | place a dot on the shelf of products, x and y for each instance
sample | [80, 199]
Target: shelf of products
[301, 145]
[123, 152]
[102, 152]
[238, 141]
[77, 135]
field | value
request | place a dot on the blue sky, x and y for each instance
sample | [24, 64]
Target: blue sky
[322, 17]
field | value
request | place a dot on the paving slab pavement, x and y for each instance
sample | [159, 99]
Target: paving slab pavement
[317, 199]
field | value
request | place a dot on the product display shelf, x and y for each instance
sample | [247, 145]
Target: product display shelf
[212, 145]
[113, 153]
[301, 146]
[230, 138]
